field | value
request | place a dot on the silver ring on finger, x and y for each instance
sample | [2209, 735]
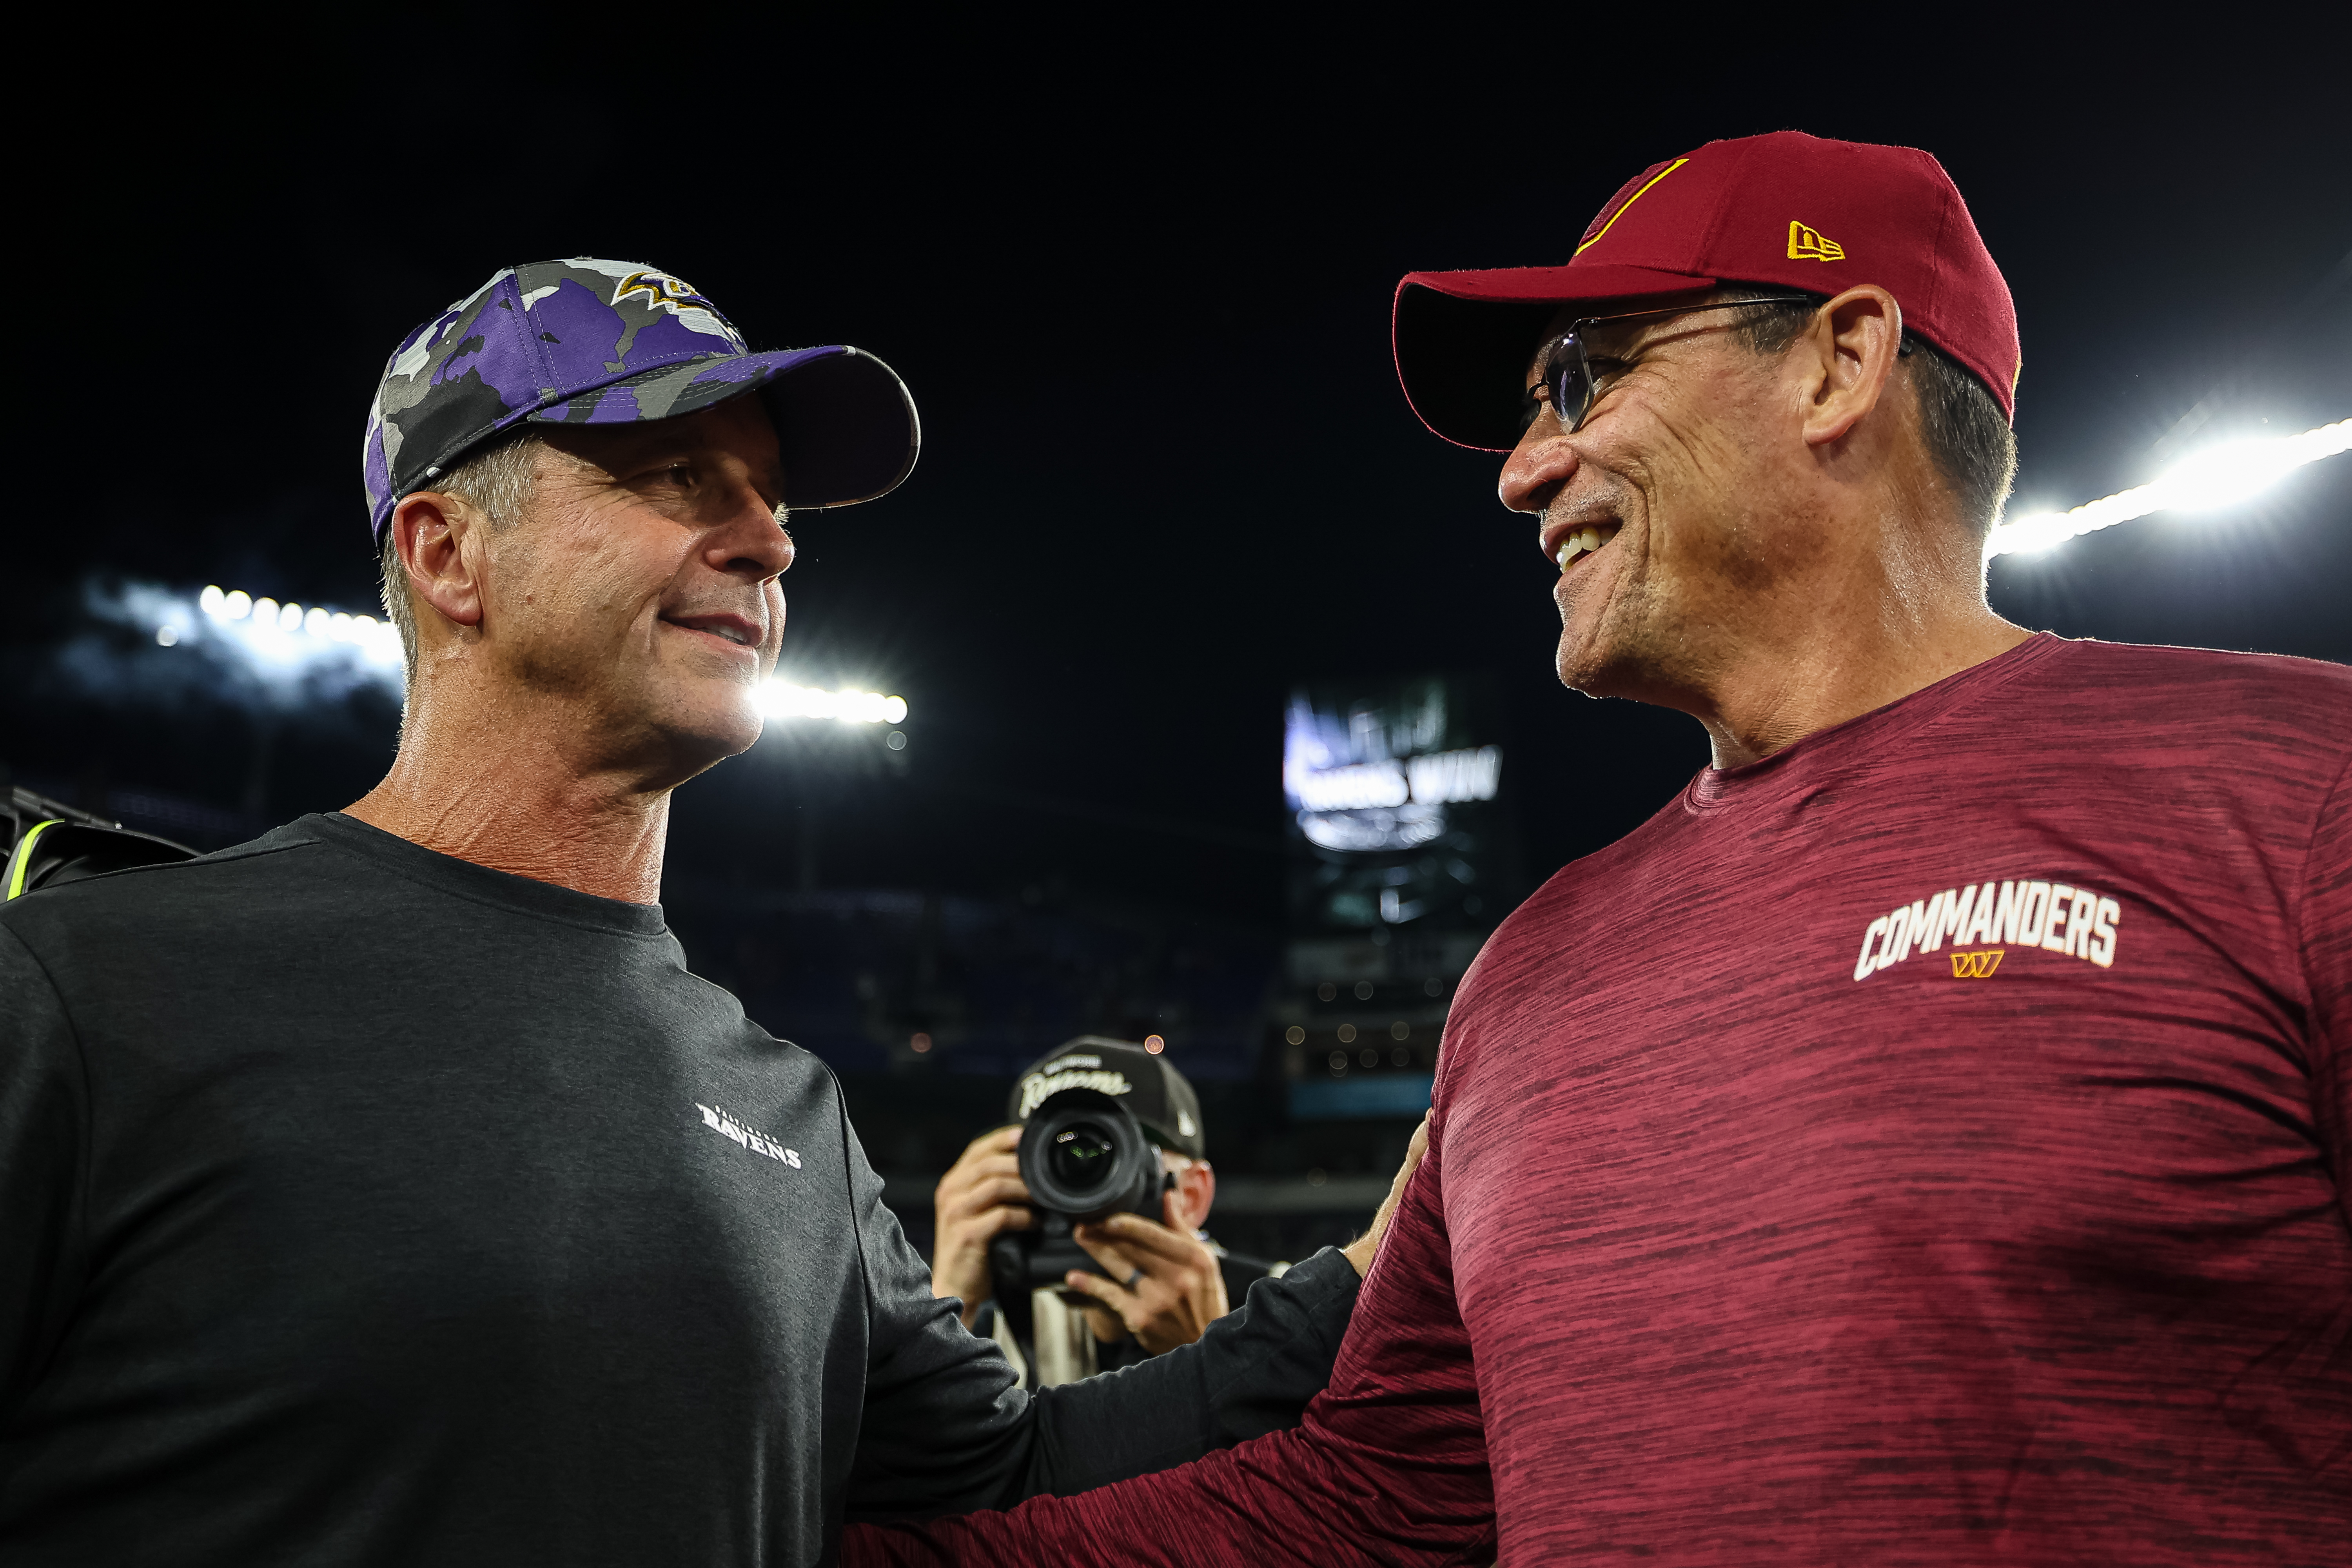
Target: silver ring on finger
[1133, 1277]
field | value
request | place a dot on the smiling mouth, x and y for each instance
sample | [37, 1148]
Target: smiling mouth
[726, 630]
[1584, 541]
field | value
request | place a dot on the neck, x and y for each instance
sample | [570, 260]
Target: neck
[518, 802]
[1840, 644]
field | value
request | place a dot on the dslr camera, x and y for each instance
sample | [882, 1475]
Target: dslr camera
[1084, 1156]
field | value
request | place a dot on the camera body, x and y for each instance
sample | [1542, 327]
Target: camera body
[1084, 1156]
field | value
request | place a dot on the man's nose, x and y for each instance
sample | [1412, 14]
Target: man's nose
[751, 544]
[1539, 467]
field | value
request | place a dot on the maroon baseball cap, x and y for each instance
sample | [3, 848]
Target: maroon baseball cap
[1788, 209]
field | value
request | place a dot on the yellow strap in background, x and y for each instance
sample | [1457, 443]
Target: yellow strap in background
[21, 860]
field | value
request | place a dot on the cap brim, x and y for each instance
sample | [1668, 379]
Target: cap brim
[1463, 339]
[844, 421]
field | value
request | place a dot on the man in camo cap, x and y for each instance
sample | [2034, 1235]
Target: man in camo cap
[587, 341]
[385, 1189]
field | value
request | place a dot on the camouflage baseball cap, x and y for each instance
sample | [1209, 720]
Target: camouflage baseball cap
[587, 342]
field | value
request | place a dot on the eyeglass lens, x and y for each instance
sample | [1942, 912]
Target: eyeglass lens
[1569, 380]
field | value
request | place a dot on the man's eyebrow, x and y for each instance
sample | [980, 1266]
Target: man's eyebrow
[1611, 338]
[1535, 356]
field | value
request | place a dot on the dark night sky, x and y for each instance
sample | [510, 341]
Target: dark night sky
[1140, 285]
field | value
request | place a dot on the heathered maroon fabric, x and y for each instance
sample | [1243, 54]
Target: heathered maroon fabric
[2027, 1247]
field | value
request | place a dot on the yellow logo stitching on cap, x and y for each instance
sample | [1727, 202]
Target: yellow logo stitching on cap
[662, 291]
[1806, 245]
[1636, 197]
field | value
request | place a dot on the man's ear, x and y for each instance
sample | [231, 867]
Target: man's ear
[1196, 1190]
[440, 539]
[1847, 359]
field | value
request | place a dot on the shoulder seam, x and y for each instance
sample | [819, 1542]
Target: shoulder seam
[849, 1197]
[228, 856]
[218, 857]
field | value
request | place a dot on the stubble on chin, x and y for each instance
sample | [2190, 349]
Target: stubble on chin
[1604, 649]
[1587, 635]
[1587, 665]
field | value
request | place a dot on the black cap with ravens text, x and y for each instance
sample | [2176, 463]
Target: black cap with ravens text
[1153, 1092]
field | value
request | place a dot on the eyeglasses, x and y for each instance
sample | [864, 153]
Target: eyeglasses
[1569, 384]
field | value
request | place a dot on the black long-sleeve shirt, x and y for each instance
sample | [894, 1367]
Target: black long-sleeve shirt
[361, 1205]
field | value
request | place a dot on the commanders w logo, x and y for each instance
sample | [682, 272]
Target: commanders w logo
[1978, 965]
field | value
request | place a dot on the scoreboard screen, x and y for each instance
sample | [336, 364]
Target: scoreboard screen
[1393, 790]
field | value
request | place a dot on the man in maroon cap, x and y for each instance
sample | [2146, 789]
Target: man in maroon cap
[1926, 1140]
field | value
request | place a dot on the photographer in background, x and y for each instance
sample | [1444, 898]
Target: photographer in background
[1161, 1284]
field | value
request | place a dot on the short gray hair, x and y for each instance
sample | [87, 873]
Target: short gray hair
[1964, 430]
[497, 479]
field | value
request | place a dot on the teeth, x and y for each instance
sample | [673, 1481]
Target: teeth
[1582, 541]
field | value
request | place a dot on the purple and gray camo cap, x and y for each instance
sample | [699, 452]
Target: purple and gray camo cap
[585, 342]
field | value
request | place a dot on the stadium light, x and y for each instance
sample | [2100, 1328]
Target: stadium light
[782, 700]
[291, 634]
[265, 626]
[2219, 476]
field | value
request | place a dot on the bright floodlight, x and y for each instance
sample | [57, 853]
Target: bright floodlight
[2219, 476]
[782, 700]
[267, 621]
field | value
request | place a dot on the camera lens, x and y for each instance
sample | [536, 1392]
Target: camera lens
[1082, 1156]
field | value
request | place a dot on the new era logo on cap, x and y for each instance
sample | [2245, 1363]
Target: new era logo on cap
[1724, 213]
[1806, 245]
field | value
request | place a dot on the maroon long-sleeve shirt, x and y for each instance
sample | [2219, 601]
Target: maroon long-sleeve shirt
[1925, 1146]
